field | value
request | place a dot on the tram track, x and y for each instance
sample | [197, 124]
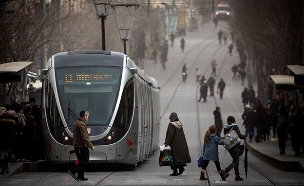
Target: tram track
[207, 69]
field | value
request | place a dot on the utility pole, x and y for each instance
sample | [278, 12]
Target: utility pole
[44, 50]
[148, 8]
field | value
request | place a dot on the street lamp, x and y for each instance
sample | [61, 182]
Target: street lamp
[127, 30]
[102, 9]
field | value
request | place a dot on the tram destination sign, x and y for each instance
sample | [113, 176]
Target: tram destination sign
[69, 78]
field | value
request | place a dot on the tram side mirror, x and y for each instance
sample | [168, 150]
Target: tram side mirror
[44, 71]
[133, 70]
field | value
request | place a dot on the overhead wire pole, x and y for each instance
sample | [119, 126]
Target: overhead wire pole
[127, 30]
[102, 15]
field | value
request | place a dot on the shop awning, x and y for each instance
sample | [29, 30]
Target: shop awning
[283, 82]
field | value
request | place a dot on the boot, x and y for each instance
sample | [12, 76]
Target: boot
[238, 178]
[223, 174]
[203, 175]
[175, 173]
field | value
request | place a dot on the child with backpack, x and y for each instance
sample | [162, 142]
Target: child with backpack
[210, 152]
[235, 148]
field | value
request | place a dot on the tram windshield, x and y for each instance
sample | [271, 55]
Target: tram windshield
[88, 88]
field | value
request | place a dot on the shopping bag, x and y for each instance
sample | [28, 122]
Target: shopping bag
[200, 161]
[217, 91]
[165, 158]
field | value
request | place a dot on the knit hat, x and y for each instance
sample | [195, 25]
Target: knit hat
[173, 116]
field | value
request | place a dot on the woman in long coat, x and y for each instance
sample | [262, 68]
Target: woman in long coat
[210, 152]
[175, 138]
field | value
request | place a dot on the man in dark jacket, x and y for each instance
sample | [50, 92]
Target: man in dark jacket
[81, 145]
[221, 85]
[249, 122]
[245, 97]
[211, 82]
[251, 95]
[218, 121]
[234, 151]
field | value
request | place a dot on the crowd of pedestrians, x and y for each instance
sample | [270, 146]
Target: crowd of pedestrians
[285, 122]
[20, 133]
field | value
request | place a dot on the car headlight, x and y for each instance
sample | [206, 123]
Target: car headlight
[216, 13]
[227, 13]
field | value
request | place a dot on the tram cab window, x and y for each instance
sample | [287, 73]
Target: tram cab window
[88, 87]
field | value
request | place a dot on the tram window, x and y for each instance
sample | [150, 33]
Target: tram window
[88, 87]
[125, 112]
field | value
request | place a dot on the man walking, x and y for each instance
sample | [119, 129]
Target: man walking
[218, 121]
[221, 85]
[81, 146]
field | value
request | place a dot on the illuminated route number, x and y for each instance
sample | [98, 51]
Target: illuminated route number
[87, 77]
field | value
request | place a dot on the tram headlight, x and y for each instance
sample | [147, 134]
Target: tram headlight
[109, 137]
[113, 133]
[227, 13]
[66, 138]
[216, 13]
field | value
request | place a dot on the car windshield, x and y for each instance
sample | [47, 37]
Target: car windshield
[220, 8]
[88, 88]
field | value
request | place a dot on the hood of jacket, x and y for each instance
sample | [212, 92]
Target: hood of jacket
[230, 125]
[177, 124]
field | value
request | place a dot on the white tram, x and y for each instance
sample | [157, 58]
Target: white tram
[122, 100]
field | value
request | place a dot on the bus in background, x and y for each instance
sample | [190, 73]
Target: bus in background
[222, 11]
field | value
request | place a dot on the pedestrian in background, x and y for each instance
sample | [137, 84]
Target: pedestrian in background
[282, 129]
[213, 65]
[218, 121]
[211, 82]
[221, 86]
[176, 139]
[172, 37]
[234, 151]
[7, 126]
[251, 95]
[230, 48]
[274, 113]
[81, 145]
[154, 53]
[301, 113]
[249, 121]
[234, 70]
[182, 44]
[204, 91]
[245, 97]
[210, 152]
[197, 74]
[295, 122]
[243, 75]
[29, 135]
[259, 122]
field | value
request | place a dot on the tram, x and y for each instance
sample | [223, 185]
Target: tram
[122, 100]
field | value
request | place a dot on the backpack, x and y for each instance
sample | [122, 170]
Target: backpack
[282, 123]
[231, 139]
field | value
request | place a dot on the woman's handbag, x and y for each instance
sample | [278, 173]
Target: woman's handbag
[165, 156]
[200, 161]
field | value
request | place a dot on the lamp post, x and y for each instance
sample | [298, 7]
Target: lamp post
[102, 9]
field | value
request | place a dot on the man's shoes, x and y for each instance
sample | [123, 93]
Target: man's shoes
[238, 178]
[73, 175]
[82, 179]
[181, 171]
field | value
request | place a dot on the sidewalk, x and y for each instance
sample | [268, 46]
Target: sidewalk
[267, 150]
